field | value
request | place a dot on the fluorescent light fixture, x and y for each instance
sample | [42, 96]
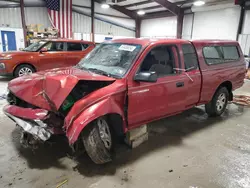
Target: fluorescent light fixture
[105, 6]
[140, 12]
[199, 3]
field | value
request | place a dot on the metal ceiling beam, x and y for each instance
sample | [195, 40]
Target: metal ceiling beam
[149, 8]
[138, 4]
[121, 9]
[170, 6]
[185, 2]
[125, 11]
[159, 14]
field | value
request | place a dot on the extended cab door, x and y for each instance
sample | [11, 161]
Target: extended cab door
[150, 101]
[54, 57]
[75, 52]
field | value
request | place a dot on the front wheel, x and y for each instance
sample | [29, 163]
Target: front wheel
[23, 69]
[98, 141]
[219, 102]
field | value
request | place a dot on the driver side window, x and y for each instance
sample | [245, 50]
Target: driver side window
[161, 60]
[54, 46]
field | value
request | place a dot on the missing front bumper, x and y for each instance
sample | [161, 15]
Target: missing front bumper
[39, 132]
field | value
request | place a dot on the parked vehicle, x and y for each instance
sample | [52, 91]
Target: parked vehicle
[45, 54]
[247, 60]
[122, 85]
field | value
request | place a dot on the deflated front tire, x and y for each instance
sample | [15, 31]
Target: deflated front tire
[98, 141]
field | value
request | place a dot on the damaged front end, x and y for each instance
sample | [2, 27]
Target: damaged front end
[39, 110]
[37, 125]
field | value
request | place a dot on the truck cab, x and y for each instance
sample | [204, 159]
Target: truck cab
[121, 85]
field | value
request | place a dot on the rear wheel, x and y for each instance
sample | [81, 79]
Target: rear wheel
[219, 102]
[24, 69]
[98, 141]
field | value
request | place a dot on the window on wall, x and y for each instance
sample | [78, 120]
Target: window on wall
[190, 57]
[220, 54]
[160, 60]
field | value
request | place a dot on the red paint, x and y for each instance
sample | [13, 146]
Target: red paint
[45, 60]
[55, 83]
[146, 101]
[26, 113]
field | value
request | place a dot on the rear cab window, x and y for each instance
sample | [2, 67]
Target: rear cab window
[220, 54]
[190, 57]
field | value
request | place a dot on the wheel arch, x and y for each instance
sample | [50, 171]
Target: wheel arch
[229, 86]
[108, 108]
[23, 63]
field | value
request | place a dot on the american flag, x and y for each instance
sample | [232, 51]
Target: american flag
[60, 14]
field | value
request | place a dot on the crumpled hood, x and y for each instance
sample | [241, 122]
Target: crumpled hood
[48, 89]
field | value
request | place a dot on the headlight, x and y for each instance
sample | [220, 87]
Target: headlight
[2, 66]
[5, 58]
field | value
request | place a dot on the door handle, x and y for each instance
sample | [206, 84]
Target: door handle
[179, 84]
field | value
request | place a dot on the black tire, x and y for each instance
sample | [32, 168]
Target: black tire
[23, 67]
[94, 145]
[212, 108]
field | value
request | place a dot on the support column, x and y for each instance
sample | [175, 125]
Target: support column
[240, 26]
[92, 21]
[138, 28]
[180, 17]
[23, 23]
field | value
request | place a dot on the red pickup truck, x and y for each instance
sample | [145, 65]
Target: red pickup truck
[121, 85]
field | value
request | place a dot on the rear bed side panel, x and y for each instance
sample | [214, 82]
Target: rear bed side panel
[214, 75]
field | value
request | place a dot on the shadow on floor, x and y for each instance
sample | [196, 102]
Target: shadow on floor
[162, 134]
[47, 155]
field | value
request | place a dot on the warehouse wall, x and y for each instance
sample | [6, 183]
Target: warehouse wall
[187, 26]
[216, 24]
[35, 15]
[10, 20]
[10, 17]
[82, 24]
[212, 22]
[18, 34]
[160, 27]
[244, 38]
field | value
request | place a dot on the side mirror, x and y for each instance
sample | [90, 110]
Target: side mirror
[43, 50]
[146, 77]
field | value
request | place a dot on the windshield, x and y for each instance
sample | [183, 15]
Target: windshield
[110, 59]
[35, 46]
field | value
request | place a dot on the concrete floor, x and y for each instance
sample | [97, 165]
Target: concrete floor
[189, 150]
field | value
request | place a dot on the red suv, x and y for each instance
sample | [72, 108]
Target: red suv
[121, 85]
[45, 54]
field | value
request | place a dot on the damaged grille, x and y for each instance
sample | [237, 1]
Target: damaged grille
[13, 100]
[82, 88]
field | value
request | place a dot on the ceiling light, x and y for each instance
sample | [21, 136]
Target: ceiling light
[199, 3]
[140, 12]
[105, 6]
